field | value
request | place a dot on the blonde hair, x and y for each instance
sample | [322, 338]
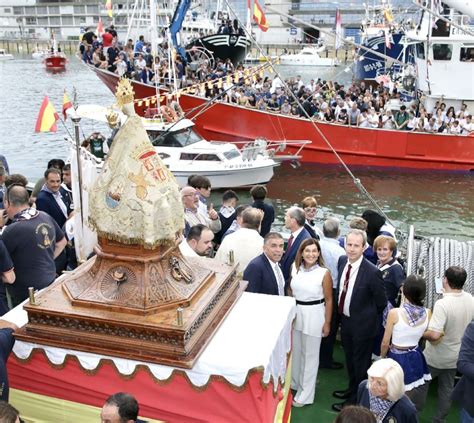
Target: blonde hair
[309, 202]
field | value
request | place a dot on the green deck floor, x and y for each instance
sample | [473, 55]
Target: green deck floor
[332, 380]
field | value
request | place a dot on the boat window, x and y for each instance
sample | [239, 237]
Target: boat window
[231, 154]
[467, 54]
[181, 138]
[201, 157]
[420, 51]
[442, 51]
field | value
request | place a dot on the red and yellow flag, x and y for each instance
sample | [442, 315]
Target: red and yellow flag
[108, 6]
[47, 117]
[66, 104]
[258, 16]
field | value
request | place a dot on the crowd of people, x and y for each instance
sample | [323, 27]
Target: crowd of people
[354, 284]
[356, 104]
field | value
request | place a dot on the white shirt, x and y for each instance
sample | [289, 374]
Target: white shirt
[451, 315]
[186, 250]
[278, 276]
[350, 287]
[246, 245]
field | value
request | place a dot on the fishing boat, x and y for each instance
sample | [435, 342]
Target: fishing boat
[356, 146]
[4, 55]
[308, 56]
[186, 153]
[381, 34]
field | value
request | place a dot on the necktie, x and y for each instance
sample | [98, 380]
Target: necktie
[280, 280]
[344, 290]
[290, 243]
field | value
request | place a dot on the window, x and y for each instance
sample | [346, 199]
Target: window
[7, 10]
[55, 20]
[231, 154]
[442, 51]
[18, 10]
[79, 9]
[420, 51]
[30, 21]
[67, 20]
[203, 157]
[467, 54]
[91, 9]
[54, 10]
[80, 20]
[43, 21]
[41, 10]
[174, 139]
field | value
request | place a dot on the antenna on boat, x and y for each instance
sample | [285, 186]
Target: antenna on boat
[356, 181]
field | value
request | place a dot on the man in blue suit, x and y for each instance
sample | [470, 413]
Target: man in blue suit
[50, 199]
[263, 273]
[295, 220]
[361, 303]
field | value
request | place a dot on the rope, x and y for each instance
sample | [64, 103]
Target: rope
[432, 256]
[356, 181]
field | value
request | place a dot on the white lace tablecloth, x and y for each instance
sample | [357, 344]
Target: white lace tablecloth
[255, 334]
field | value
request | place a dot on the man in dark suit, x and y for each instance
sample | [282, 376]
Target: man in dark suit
[463, 392]
[50, 200]
[294, 221]
[259, 193]
[361, 302]
[263, 273]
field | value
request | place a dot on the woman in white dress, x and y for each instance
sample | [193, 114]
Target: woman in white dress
[311, 285]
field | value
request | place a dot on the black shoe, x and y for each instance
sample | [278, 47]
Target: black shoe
[342, 394]
[333, 366]
[339, 406]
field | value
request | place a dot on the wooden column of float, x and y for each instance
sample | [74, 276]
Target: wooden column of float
[127, 301]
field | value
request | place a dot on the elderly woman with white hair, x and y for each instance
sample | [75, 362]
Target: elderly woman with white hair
[384, 393]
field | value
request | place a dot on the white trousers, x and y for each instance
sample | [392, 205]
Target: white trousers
[305, 365]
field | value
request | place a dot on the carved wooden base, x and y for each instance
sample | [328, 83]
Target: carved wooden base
[153, 306]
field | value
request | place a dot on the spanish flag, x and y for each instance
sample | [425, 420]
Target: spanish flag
[47, 117]
[66, 104]
[258, 16]
[108, 7]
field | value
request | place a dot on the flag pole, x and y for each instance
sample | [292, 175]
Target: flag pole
[76, 120]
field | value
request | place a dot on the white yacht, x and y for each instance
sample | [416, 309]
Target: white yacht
[4, 55]
[308, 56]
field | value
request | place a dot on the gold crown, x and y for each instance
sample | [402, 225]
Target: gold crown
[124, 93]
[112, 118]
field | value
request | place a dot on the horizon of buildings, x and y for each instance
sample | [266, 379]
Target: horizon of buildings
[38, 19]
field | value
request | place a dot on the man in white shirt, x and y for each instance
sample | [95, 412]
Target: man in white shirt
[246, 243]
[451, 315]
[198, 242]
[468, 126]
[332, 252]
[361, 301]
[193, 215]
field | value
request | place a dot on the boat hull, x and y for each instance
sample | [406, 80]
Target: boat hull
[295, 60]
[55, 63]
[355, 146]
[227, 178]
[223, 46]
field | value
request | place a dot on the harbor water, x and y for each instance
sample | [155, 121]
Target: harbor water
[437, 203]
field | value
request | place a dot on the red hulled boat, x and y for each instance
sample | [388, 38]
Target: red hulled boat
[356, 146]
[55, 62]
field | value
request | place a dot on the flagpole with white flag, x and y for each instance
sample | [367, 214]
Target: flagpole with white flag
[339, 31]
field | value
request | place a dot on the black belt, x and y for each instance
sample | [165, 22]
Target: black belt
[315, 302]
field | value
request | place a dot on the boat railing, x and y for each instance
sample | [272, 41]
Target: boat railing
[251, 149]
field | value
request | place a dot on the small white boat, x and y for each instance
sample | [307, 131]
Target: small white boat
[186, 153]
[308, 56]
[40, 54]
[5, 56]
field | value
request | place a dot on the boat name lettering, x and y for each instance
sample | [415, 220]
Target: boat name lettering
[372, 66]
